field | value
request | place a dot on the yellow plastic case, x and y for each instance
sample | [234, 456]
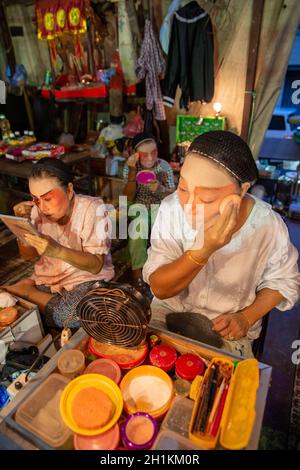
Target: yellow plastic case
[239, 411]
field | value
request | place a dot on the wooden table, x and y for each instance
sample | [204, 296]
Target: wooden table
[23, 169]
[109, 188]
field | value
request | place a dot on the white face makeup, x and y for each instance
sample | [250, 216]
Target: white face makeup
[202, 187]
[202, 172]
[147, 154]
[50, 198]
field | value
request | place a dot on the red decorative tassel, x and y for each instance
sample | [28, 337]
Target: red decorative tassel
[78, 50]
[52, 48]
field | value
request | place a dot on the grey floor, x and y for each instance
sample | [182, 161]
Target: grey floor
[283, 330]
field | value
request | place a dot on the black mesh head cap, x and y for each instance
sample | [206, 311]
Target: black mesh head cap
[141, 138]
[229, 151]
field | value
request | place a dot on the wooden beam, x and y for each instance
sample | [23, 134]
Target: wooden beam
[17, 2]
[257, 15]
[6, 39]
[156, 15]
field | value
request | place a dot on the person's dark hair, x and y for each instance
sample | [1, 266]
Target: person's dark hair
[52, 168]
[229, 151]
[141, 138]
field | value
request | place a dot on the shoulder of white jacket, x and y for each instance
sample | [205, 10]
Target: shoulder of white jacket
[265, 212]
[89, 202]
[170, 201]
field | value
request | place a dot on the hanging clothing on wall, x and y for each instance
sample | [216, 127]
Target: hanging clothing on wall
[151, 66]
[165, 30]
[190, 61]
[127, 45]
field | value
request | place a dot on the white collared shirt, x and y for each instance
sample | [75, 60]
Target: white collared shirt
[259, 255]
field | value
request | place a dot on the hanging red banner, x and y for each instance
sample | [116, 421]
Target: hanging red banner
[59, 16]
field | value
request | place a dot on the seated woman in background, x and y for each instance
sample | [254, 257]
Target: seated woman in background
[73, 245]
[149, 194]
[230, 261]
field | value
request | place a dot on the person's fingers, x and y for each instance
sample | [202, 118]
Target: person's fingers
[31, 236]
[218, 319]
[224, 218]
[225, 332]
[235, 329]
[24, 209]
[34, 239]
[38, 243]
[236, 334]
[31, 242]
[133, 159]
[221, 325]
[232, 221]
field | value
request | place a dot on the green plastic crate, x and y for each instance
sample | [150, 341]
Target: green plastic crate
[189, 127]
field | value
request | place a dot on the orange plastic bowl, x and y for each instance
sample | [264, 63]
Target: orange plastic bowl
[126, 358]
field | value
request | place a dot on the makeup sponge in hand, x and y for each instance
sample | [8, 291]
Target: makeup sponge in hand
[234, 198]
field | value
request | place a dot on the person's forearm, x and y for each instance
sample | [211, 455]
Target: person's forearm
[27, 252]
[266, 300]
[130, 188]
[81, 260]
[169, 280]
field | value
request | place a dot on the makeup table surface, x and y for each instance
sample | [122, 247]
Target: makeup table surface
[23, 169]
[12, 432]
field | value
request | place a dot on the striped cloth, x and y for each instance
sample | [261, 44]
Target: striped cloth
[151, 66]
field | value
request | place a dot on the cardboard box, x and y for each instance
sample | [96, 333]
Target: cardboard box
[28, 327]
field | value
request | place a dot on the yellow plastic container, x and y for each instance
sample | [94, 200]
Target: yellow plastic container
[148, 389]
[100, 382]
[239, 411]
[238, 416]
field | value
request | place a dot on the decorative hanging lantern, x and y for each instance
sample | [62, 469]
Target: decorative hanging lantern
[59, 16]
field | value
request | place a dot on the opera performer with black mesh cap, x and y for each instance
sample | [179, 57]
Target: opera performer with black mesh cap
[71, 247]
[217, 252]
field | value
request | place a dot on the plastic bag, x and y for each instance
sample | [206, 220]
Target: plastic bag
[7, 300]
[20, 76]
[134, 126]
[21, 360]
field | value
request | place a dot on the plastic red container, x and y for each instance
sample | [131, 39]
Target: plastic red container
[188, 366]
[126, 358]
[106, 367]
[106, 441]
[163, 356]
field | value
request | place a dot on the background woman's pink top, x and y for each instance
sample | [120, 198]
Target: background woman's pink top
[89, 230]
